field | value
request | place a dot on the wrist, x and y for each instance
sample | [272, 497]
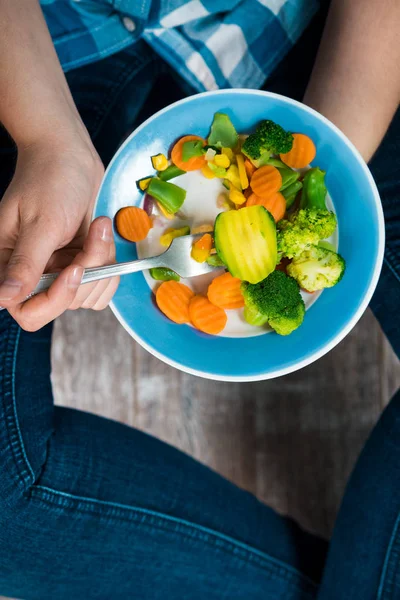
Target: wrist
[59, 139]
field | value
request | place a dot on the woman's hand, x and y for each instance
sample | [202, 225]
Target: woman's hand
[45, 220]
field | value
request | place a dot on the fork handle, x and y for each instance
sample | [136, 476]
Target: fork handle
[98, 273]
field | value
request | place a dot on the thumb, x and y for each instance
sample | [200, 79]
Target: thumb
[34, 246]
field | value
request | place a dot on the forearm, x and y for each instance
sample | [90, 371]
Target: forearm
[356, 78]
[35, 102]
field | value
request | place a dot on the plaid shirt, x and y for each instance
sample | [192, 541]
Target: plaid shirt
[211, 43]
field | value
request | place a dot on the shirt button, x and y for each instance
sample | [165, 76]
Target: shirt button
[129, 24]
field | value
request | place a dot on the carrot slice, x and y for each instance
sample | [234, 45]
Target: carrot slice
[302, 153]
[133, 223]
[206, 316]
[250, 168]
[276, 204]
[201, 249]
[197, 162]
[224, 291]
[266, 181]
[173, 300]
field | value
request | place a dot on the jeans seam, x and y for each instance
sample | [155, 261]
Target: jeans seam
[393, 269]
[11, 421]
[393, 551]
[185, 528]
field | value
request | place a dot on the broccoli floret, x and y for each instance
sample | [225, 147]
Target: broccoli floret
[292, 240]
[312, 222]
[313, 213]
[320, 221]
[276, 300]
[305, 228]
[269, 138]
[290, 320]
[317, 268]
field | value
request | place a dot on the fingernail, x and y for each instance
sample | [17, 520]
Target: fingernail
[105, 233]
[9, 289]
[75, 277]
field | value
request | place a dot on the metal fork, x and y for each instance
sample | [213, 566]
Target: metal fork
[177, 257]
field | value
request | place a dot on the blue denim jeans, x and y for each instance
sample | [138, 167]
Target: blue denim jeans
[90, 508]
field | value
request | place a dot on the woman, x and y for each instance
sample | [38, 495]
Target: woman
[90, 508]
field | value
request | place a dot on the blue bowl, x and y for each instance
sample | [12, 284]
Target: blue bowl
[361, 232]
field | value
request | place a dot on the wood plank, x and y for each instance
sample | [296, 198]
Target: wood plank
[292, 441]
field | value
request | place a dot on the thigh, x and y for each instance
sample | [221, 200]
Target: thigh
[385, 168]
[363, 560]
[90, 508]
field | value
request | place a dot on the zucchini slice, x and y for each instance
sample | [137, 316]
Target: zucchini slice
[245, 241]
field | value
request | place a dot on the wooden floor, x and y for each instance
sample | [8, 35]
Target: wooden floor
[291, 441]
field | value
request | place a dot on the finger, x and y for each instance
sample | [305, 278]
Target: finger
[98, 244]
[35, 244]
[45, 307]
[99, 249]
[101, 295]
[96, 293]
[107, 295]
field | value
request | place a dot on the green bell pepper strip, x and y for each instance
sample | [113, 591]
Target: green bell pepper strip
[169, 195]
[192, 149]
[164, 274]
[218, 171]
[291, 192]
[223, 134]
[170, 172]
[274, 162]
[288, 177]
[314, 189]
[214, 261]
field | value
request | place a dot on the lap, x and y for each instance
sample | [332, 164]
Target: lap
[122, 512]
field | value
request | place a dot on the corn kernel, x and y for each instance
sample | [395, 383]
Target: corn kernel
[229, 153]
[232, 175]
[164, 211]
[221, 160]
[206, 171]
[159, 162]
[170, 234]
[236, 195]
[143, 184]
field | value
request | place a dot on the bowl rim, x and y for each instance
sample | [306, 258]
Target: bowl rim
[343, 332]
